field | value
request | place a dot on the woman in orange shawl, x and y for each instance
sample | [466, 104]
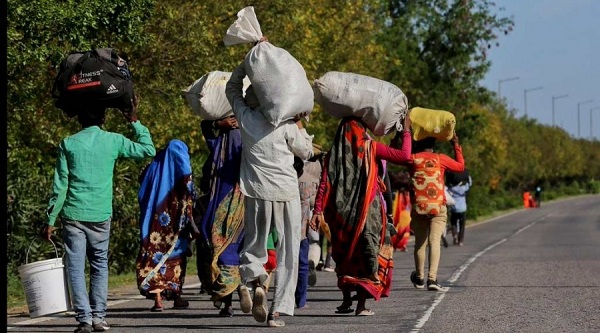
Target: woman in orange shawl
[350, 201]
[401, 210]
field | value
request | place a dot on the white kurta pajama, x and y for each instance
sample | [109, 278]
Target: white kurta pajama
[269, 183]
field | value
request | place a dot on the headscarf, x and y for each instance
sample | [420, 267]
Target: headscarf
[166, 198]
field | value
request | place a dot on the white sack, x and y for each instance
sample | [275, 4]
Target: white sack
[381, 104]
[279, 80]
[206, 96]
[245, 29]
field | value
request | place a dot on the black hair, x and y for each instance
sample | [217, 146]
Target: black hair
[421, 145]
[92, 117]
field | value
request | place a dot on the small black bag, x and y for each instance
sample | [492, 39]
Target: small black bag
[98, 77]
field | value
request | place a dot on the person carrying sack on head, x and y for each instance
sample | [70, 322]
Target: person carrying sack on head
[269, 183]
[82, 195]
[429, 212]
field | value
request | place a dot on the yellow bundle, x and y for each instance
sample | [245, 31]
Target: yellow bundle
[432, 123]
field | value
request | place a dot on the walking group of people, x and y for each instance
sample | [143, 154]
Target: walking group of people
[265, 192]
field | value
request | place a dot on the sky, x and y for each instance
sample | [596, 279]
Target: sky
[553, 50]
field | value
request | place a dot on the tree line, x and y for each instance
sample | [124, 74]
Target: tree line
[434, 50]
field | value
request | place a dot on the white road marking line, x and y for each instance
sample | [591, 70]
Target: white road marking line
[440, 295]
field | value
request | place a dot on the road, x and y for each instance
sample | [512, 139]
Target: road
[534, 270]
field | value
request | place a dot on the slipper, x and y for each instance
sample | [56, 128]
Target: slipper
[156, 309]
[180, 304]
[226, 312]
[344, 309]
[365, 312]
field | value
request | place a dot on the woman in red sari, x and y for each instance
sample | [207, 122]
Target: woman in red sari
[350, 201]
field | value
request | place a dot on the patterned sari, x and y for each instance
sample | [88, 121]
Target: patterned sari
[166, 198]
[355, 214]
[401, 213]
[221, 223]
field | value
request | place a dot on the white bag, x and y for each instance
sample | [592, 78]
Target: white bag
[206, 96]
[279, 80]
[381, 105]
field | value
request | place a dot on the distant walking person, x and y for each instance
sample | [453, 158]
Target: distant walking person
[429, 212]
[538, 195]
[82, 195]
[458, 212]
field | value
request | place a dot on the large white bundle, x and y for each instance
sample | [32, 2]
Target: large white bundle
[279, 80]
[206, 96]
[381, 104]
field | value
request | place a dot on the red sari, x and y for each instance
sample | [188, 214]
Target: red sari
[354, 211]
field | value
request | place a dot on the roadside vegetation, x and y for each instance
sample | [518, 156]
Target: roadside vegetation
[434, 50]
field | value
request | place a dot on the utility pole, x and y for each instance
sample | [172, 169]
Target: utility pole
[500, 83]
[579, 115]
[525, 96]
[591, 133]
[553, 99]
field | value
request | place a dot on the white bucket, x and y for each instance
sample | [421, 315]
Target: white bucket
[45, 285]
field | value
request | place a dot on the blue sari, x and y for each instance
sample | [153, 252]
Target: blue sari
[166, 198]
[221, 223]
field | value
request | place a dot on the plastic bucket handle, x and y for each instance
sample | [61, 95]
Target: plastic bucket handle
[29, 248]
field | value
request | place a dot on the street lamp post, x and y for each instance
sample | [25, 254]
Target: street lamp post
[525, 96]
[553, 99]
[500, 83]
[579, 115]
[591, 133]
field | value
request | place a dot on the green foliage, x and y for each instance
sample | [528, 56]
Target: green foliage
[434, 50]
[593, 186]
[443, 47]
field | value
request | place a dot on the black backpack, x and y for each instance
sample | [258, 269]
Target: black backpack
[98, 77]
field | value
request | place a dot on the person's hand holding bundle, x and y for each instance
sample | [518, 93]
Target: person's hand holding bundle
[130, 114]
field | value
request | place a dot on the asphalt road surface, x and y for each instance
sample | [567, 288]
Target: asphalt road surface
[534, 270]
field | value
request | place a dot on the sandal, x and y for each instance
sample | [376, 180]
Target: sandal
[226, 312]
[344, 309]
[180, 304]
[156, 308]
[365, 312]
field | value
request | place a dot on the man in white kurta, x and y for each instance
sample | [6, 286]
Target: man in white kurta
[269, 183]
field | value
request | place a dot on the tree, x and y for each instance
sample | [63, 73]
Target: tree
[443, 45]
[40, 33]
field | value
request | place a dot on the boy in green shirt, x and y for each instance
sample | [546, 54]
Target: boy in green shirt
[82, 195]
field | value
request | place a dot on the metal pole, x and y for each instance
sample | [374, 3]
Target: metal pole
[591, 133]
[500, 82]
[553, 99]
[579, 116]
[525, 94]
[525, 102]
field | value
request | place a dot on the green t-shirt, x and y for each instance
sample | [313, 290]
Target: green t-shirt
[83, 176]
